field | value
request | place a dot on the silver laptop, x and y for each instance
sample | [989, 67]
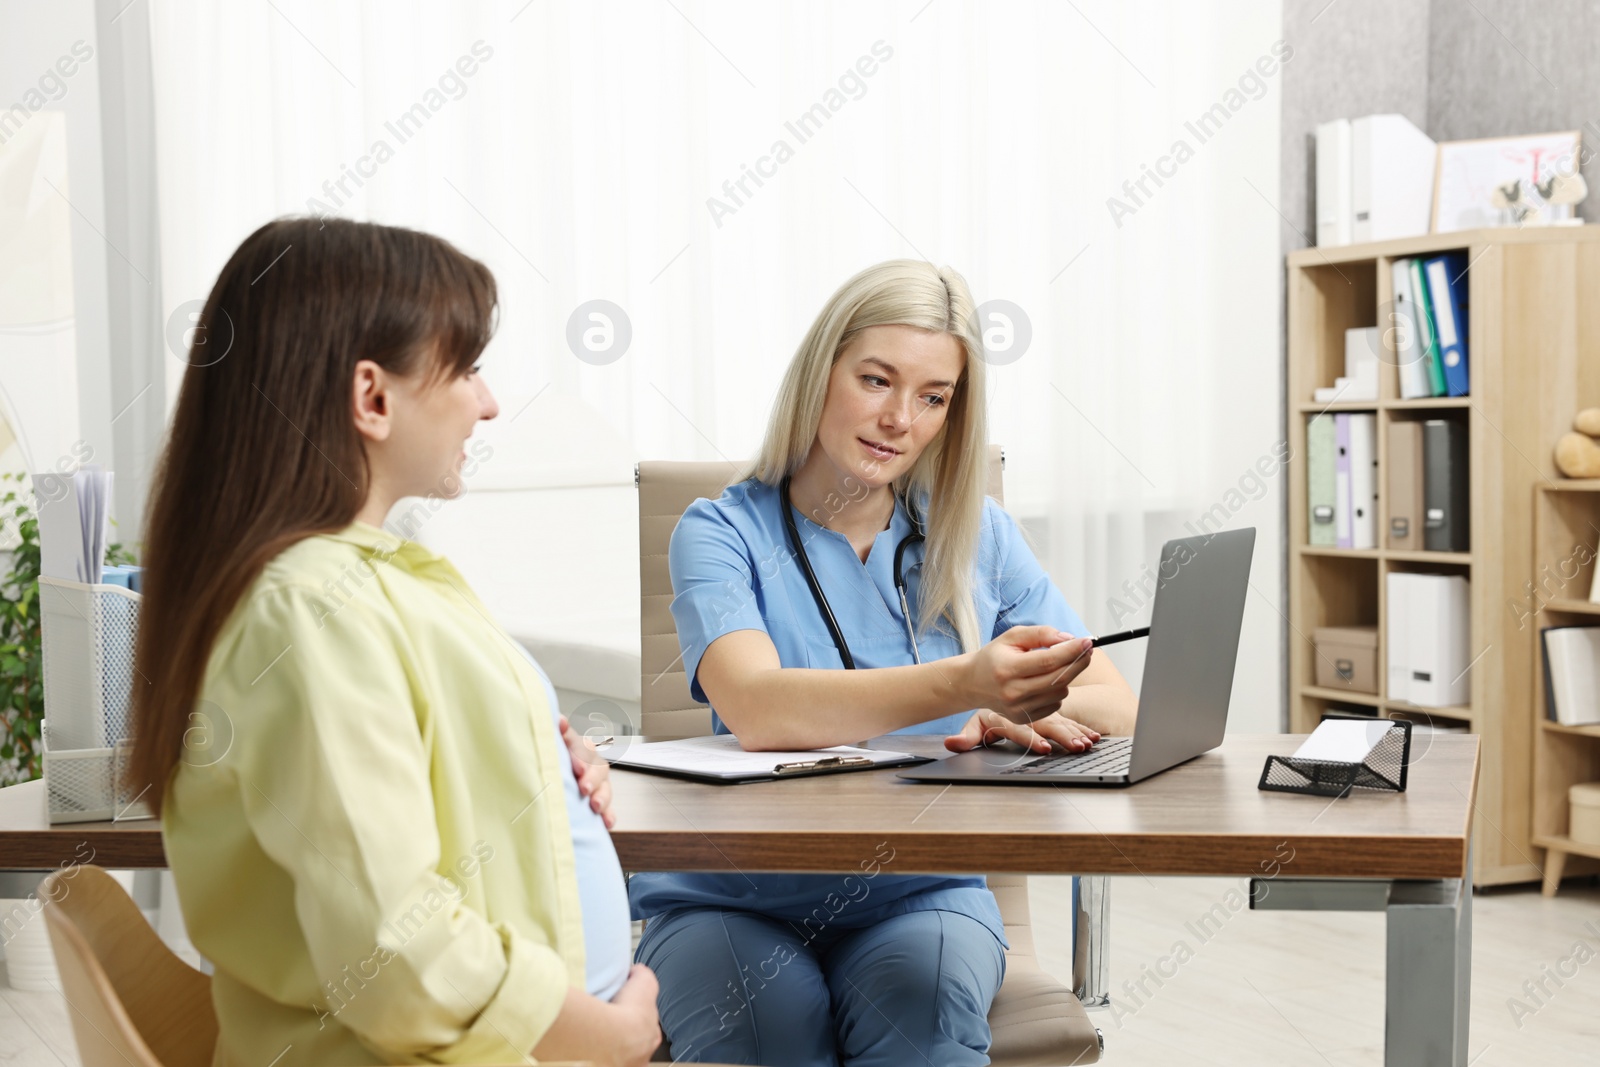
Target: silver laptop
[1188, 677]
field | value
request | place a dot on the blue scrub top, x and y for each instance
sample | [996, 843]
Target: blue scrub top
[732, 569]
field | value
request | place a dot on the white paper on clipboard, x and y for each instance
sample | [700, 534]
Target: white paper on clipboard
[720, 756]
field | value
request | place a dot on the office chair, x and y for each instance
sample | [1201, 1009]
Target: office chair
[133, 1003]
[1035, 1019]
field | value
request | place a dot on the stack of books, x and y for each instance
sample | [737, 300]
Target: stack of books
[1360, 379]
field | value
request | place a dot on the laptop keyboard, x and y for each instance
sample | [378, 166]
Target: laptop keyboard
[1106, 757]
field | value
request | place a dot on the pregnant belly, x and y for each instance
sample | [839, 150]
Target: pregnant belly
[603, 896]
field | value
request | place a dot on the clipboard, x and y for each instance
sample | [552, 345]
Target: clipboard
[719, 759]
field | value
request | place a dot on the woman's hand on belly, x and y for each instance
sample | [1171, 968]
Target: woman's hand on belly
[591, 771]
[621, 1033]
[988, 727]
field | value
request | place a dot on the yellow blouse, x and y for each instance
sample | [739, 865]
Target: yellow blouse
[368, 829]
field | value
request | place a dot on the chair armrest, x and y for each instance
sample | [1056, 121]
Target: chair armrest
[1091, 948]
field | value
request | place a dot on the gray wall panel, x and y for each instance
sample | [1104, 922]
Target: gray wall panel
[1351, 57]
[1499, 67]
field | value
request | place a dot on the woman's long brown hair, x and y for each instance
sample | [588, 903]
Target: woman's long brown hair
[263, 450]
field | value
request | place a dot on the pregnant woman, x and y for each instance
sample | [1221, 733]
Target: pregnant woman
[384, 839]
[859, 583]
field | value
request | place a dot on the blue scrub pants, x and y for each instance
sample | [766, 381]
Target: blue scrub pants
[739, 987]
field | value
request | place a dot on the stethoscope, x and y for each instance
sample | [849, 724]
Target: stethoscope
[821, 598]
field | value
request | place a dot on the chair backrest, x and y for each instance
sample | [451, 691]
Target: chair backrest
[134, 1003]
[665, 491]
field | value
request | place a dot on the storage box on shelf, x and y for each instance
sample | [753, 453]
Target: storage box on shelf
[1347, 658]
[1583, 814]
[1567, 533]
[1534, 356]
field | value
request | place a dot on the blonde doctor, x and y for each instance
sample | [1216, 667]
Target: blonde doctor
[857, 583]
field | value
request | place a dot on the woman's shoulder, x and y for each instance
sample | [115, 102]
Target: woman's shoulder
[740, 506]
[307, 575]
[316, 582]
[997, 529]
[743, 522]
[744, 496]
[309, 565]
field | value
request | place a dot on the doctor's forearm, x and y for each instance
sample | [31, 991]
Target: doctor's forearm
[1108, 708]
[800, 708]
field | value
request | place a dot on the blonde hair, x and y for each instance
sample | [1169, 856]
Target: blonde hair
[948, 479]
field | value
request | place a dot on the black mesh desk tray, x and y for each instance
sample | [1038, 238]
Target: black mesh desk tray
[1384, 768]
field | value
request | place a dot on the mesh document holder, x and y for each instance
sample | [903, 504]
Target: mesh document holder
[1383, 769]
[88, 635]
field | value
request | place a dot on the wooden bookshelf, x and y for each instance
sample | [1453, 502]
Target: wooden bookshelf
[1534, 355]
[1566, 534]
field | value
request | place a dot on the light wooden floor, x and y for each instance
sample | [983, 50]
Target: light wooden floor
[1281, 988]
[1288, 988]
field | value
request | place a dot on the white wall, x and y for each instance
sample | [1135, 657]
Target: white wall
[580, 159]
[53, 357]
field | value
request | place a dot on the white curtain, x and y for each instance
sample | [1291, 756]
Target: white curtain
[582, 151]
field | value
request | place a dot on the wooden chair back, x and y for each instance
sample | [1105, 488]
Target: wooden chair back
[132, 1001]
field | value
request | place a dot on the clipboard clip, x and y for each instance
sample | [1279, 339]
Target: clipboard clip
[825, 763]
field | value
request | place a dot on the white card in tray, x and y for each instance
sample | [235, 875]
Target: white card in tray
[1343, 740]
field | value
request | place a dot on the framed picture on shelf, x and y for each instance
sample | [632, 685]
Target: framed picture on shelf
[1504, 181]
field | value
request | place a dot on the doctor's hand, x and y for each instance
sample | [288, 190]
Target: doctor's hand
[592, 772]
[988, 727]
[1023, 674]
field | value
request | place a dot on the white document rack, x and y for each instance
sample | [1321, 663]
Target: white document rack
[88, 639]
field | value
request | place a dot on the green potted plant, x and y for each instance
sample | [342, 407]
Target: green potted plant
[21, 681]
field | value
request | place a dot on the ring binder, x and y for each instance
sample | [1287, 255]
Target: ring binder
[1383, 769]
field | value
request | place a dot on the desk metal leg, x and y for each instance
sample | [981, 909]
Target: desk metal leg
[1429, 966]
[1429, 973]
[1091, 950]
[15, 885]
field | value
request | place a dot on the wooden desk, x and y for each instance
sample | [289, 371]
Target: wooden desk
[1204, 818]
[1405, 854]
[29, 842]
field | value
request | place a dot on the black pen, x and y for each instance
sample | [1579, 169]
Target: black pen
[1126, 635]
